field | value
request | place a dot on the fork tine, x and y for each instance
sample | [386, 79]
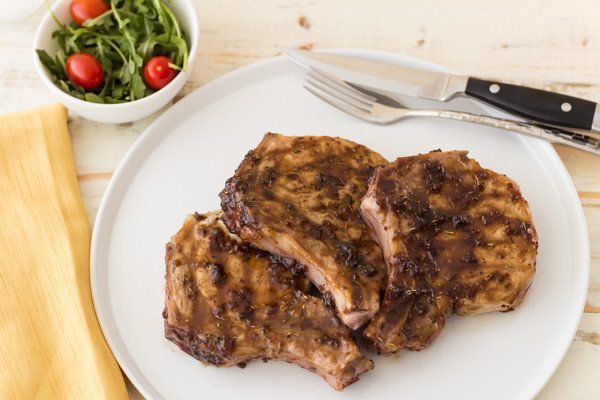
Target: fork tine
[341, 86]
[335, 93]
[337, 103]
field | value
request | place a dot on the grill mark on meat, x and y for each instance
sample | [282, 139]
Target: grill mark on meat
[453, 225]
[228, 303]
[294, 266]
[217, 274]
[312, 213]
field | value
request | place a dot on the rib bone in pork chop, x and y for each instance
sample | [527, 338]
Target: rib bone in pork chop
[229, 303]
[299, 197]
[456, 238]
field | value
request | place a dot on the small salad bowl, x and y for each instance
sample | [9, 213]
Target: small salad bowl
[121, 112]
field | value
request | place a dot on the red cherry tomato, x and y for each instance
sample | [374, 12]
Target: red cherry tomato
[82, 10]
[158, 73]
[84, 70]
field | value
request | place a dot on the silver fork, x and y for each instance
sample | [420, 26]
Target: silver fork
[363, 106]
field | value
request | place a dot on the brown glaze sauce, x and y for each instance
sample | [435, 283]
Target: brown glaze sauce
[313, 193]
[449, 213]
[242, 297]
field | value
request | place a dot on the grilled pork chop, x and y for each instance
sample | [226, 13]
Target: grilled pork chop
[456, 238]
[229, 303]
[299, 197]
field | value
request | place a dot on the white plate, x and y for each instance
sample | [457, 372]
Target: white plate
[180, 164]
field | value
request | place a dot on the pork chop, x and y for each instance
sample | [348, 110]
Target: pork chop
[228, 303]
[299, 197]
[456, 238]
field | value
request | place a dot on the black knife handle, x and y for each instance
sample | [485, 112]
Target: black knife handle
[534, 104]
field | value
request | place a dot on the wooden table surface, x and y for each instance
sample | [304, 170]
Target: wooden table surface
[546, 44]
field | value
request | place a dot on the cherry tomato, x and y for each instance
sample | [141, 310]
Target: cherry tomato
[82, 10]
[85, 70]
[158, 73]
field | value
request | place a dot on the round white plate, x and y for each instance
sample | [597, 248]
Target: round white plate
[180, 164]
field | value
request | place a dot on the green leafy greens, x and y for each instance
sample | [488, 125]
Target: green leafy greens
[123, 39]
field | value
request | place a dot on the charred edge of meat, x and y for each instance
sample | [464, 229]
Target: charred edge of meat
[211, 349]
[236, 216]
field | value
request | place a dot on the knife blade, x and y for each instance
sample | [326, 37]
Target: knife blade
[534, 104]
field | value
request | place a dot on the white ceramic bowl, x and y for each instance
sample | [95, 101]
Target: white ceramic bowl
[123, 112]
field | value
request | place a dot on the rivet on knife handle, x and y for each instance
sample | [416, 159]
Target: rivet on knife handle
[534, 104]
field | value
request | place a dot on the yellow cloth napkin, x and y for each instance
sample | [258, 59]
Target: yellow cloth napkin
[51, 346]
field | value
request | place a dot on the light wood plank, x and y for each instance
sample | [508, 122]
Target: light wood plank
[578, 376]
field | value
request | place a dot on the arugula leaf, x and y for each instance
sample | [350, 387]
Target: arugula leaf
[61, 65]
[93, 98]
[64, 86]
[182, 53]
[123, 39]
[48, 62]
[138, 87]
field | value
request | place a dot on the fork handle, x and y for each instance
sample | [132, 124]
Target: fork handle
[553, 135]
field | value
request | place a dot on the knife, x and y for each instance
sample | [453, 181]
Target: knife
[533, 104]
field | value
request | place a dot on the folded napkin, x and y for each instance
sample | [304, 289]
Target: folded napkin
[51, 346]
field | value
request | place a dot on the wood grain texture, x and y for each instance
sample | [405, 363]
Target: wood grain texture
[547, 44]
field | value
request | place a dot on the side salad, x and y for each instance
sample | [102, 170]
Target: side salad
[116, 51]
